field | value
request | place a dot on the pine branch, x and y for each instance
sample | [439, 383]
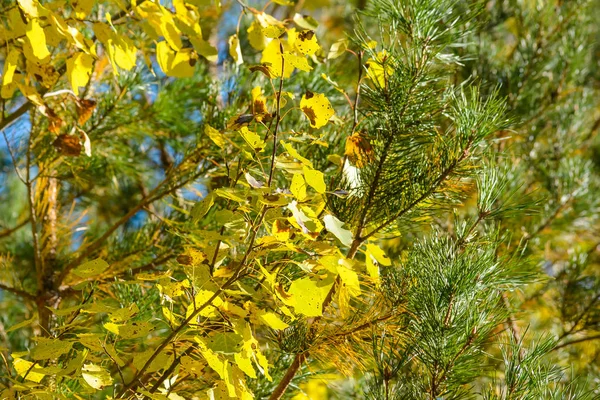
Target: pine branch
[153, 196]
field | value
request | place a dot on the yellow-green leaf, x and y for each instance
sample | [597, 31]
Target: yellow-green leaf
[298, 187]
[50, 348]
[294, 153]
[337, 49]
[83, 8]
[22, 324]
[253, 139]
[131, 330]
[96, 376]
[256, 37]
[91, 268]
[335, 226]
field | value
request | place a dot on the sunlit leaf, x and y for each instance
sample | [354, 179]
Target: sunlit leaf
[96, 376]
[317, 108]
[335, 226]
[79, 70]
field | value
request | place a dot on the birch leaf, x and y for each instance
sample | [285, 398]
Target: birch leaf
[335, 226]
[317, 109]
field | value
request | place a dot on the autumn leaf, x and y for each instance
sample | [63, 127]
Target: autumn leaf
[317, 109]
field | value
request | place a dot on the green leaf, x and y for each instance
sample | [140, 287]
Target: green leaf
[22, 324]
[50, 348]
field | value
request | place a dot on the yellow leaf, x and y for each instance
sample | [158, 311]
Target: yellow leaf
[298, 187]
[272, 56]
[37, 40]
[169, 30]
[24, 367]
[374, 257]
[83, 8]
[379, 69]
[314, 179]
[272, 320]
[170, 290]
[178, 64]
[200, 299]
[31, 94]
[256, 37]
[214, 135]
[317, 108]
[306, 42]
[294, 153]
[121, 50]
[349, 280]
[253, 139]
[96, 376]
[10, 65]
[235, 51]
[191, 366]
[124, 52]
[245, 364]
[79, 70]
[299, 62]
[219, 364]
[378, 254]
[308, 295]
[72, 35]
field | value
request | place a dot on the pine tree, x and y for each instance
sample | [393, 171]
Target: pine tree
[201, 200]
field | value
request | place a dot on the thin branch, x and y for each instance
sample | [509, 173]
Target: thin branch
[153, 196]
[278, 118]
[10, 231]
[575, 341]
[234, 277]
[18, 292]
